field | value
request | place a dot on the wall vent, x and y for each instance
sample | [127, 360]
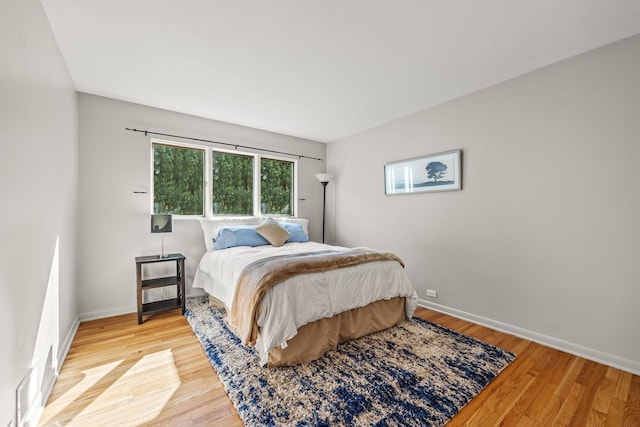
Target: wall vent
[28, 398]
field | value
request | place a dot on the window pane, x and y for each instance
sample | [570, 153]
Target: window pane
[232, 184]
[276, 190]
[178, 184]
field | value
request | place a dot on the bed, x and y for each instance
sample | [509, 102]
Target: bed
[296, 299]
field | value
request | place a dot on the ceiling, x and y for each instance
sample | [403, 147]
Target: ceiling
[323, 69]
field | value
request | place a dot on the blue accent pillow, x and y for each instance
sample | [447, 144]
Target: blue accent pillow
[296, 231]
[241, 235]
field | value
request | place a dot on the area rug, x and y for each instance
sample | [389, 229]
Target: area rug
[413, 374]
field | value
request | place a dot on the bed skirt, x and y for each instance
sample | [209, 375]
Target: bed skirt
[316, 338]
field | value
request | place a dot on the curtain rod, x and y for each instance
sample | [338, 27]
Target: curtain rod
[148, 132]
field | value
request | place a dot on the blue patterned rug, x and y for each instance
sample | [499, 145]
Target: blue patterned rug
[413, 374]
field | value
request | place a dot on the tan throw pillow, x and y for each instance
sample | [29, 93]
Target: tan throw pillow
[274, 234]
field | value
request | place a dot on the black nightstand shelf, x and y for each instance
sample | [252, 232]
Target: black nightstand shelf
[160, 282]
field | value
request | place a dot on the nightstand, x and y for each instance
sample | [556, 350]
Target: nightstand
[160, 282]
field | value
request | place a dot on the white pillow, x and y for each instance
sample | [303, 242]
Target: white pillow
[304, 222]
[211, 226]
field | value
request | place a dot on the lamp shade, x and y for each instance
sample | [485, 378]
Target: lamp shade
[324, 177]
[161, 223]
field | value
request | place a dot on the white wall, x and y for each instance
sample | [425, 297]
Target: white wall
[544, 239]
[114, 222]
[38, 193]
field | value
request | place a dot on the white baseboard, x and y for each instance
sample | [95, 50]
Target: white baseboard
[93, 315]
[65, 346]
[62, 356]
[546, 340]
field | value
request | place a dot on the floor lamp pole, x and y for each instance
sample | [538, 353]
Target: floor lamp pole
[324, 179]
[324, 203]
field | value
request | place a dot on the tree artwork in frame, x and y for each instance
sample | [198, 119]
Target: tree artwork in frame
[435, 172]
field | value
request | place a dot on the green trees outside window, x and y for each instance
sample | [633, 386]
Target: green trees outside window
[276, 187]
[180, 182]
[232, 184]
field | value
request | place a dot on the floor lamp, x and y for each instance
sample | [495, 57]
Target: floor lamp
[324, 179]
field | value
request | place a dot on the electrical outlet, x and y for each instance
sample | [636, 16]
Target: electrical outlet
[432, 294]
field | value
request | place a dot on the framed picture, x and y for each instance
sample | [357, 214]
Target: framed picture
[436, 172]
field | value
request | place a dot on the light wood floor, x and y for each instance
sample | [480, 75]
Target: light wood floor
[156, 374]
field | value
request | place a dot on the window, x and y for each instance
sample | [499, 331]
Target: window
[276, 187]
[203, 181]
[231, 184]
[178, 185]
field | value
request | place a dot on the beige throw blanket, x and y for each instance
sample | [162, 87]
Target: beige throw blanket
[259, 276]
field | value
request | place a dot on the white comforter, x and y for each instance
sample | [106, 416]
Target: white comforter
[304, 298]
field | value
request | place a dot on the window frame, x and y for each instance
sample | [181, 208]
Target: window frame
[207, 179]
